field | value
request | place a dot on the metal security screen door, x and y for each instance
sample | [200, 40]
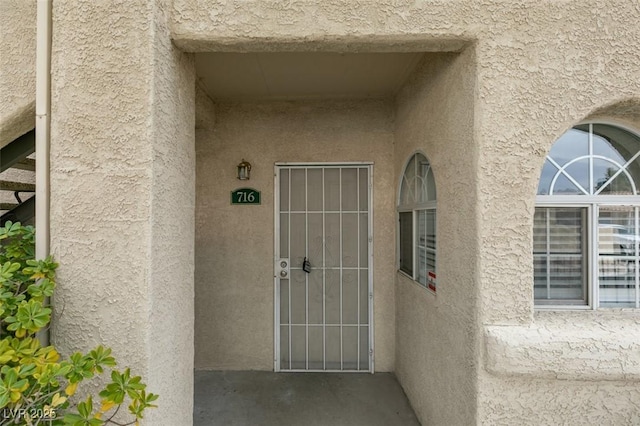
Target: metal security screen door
[323, 306]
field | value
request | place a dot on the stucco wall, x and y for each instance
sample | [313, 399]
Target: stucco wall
[536, 80]
[17, 68]
[122, 179]
[565, 367]
[534, 84]
[170, 338]
[435, 333]
[542, 66]
[234, 244]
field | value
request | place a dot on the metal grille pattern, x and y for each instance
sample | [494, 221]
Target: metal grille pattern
[323, 316]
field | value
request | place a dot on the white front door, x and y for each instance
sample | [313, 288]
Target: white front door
[324, 308]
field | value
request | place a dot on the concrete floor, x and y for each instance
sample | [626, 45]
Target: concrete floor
[310, 399]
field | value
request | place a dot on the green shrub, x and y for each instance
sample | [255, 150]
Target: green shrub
[35, 383]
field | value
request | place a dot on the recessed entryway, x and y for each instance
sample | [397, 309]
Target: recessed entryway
[298, 137]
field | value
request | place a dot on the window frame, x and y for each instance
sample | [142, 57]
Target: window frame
[555, 304]
[592, 204]
[415, 208]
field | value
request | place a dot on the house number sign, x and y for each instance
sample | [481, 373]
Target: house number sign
[245, 196]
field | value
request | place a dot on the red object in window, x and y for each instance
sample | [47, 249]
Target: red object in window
[432, 281]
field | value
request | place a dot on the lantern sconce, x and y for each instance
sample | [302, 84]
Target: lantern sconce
[244, 170]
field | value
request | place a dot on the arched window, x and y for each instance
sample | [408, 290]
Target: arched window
[417, 216]
[586, 231]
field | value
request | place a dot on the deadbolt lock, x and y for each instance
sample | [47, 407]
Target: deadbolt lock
[282, 268]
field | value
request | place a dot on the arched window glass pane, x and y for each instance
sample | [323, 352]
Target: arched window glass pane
[423, 169]
[564, 186]
[622, 147]
[408, 191]
[404, 192]
[548, 172]
[607, 138]
[431, 186]
[619, 185]
[579, 171]
[591, 157]
[603, 148]
[573, 144]
[418, 183]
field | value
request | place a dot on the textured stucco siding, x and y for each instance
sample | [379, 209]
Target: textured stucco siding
[541, 70]
[234, 244]
[435, 353]
[17, 68]
[560, 64]
[123, 199]
[170, 340]
[101, 159]
[541, 67]
[122, 179]
[568, 368]
[309, 25]
[589, 346]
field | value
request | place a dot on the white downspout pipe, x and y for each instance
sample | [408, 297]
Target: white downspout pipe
[43, 120]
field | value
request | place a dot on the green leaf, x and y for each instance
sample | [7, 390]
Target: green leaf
[26, 370]
[11, 385]
[122, 384]
[85, 408]
[72, 419]
[7, 270]
[81, 367]
[101, 357]
[4, 397]
[31, 316]
[40, 290]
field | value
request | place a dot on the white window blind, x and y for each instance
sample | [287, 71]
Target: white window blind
[426, 245]
[618, 256]
[559, 255]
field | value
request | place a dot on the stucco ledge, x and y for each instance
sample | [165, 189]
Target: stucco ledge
[583, 346]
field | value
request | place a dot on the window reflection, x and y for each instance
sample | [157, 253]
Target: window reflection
[592, 159]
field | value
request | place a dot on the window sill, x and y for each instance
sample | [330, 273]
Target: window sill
[568, 345]
[407, 277]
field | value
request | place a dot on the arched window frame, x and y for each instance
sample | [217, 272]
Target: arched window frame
[417, 221]
[597, 216]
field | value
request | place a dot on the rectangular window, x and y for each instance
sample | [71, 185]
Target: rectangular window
[426, 245]
[560, 255]
[618, 256]
[406, 242]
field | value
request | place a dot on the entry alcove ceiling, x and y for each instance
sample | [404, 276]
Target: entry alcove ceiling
[303, 75]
